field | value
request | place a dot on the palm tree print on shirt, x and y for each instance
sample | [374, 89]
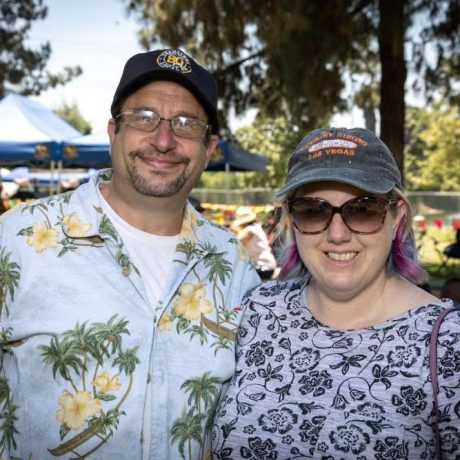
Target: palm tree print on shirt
[92, 405]
[188, 428]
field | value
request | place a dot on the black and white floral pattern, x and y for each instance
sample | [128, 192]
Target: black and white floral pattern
[302, 390]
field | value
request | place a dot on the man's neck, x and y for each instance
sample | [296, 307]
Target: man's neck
[159, 216]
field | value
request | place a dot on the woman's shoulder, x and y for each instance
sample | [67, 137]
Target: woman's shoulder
[275, 288]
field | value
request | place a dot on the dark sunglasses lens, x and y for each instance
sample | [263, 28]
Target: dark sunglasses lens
[310, 215]
[364, 215]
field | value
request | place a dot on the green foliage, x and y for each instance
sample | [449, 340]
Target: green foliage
[275, 138]
[71, 113]
[432, 150]
[23, 69]
[292, 58]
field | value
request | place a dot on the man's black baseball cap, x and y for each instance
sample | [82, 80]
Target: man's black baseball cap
[168, 64]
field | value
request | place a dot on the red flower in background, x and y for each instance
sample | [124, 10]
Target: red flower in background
[438, 222]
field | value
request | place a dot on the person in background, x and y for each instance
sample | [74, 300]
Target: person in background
[451, 290]
[250, 232]
[2, 205]
[119, 302]
[332, 357]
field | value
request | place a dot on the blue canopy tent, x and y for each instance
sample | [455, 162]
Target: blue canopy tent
[30, 133]
[230, 157]
[90, 151]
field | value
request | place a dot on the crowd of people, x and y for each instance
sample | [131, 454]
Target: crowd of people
[131, 325]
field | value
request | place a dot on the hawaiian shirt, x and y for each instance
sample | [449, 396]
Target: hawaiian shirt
[303, 390]
[81, 346]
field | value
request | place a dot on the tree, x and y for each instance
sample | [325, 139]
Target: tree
[291, 58]
[71, 113]
[432, 159]
[23, 69]
[275, 138]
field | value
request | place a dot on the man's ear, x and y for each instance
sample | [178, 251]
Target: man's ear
[111, 127]
[212, 144]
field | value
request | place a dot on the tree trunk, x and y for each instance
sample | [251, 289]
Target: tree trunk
[392, 106]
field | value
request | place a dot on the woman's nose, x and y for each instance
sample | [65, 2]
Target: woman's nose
[337, 231]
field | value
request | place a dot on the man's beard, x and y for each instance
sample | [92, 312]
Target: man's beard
[150, 188]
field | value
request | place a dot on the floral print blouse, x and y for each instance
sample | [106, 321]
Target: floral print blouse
[81, 347]
[303, 390]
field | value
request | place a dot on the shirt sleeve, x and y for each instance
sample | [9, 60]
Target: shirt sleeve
[449, 385]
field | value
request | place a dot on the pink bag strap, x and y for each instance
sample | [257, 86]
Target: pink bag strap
[433, 363]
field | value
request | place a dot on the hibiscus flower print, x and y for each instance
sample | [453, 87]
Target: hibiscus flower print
[280, 420]
[42, 237]
[105, 384]
[191, 302]
[450, 363]
[74, 227]
[74, 410]
[165, 322]
[188, 226]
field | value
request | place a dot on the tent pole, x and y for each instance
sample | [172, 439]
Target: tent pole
[58, 180]
[227, 183]
[51, 186]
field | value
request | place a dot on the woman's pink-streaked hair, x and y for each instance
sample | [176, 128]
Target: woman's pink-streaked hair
[402, 258]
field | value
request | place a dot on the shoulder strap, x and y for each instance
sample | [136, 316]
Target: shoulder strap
[433, 363]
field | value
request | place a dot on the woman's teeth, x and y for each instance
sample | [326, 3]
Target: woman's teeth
[341, 256]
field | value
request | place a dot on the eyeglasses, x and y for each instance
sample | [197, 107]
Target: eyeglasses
[363, 215]
[148, 120]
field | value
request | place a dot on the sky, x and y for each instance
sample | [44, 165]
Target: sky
[100, 37]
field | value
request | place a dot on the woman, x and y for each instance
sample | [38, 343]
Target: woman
[332, 359]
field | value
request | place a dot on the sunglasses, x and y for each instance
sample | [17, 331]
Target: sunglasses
[363, 215]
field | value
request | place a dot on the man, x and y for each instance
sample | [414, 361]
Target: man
[119, 302]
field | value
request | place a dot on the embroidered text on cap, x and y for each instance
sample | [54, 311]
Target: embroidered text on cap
[174, 60]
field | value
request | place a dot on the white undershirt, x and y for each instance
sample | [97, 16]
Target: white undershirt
[151, 254]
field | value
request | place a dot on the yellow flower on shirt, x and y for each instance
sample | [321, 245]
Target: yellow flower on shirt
[165, 322]
[105, 383]
[188, 226]
[74, 227]
[42, 237]
[191, 302]
[75, 409]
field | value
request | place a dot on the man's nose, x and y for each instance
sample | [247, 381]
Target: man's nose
[163, 137]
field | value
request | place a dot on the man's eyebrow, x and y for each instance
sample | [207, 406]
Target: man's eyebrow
[183, 113]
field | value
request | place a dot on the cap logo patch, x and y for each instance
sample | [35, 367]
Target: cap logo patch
[329, 143]
[174, 60]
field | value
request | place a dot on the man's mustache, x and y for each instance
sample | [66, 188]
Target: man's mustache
[155, 155]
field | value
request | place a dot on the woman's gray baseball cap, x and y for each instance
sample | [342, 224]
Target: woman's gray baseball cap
[352, 156]
[168, 64]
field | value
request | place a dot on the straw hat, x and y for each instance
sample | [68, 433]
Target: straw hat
[244, 215]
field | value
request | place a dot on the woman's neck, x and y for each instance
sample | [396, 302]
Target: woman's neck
[385, 298]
